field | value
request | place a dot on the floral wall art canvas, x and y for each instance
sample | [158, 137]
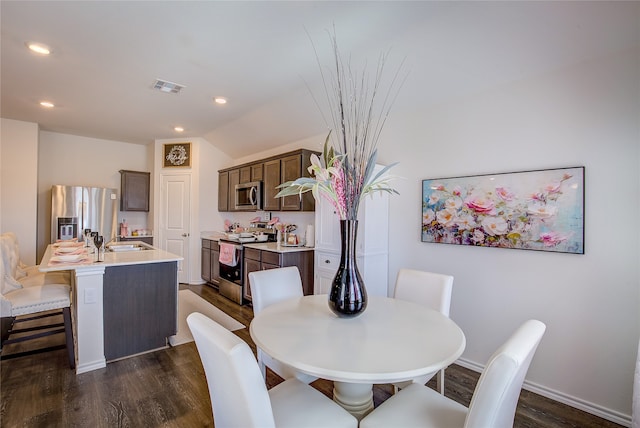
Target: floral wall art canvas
[532, 210]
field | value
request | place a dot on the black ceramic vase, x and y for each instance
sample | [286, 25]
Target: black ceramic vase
[348, 296]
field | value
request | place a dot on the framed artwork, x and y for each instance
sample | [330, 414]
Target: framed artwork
[531, 210]
[177, 155]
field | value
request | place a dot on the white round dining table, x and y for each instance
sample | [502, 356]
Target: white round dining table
[392, 340]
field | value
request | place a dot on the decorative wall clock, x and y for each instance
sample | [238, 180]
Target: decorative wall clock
[177, 155]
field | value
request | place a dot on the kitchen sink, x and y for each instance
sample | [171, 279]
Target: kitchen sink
[128, 246]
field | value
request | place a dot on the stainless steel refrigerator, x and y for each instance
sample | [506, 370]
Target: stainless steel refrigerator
[75, 208]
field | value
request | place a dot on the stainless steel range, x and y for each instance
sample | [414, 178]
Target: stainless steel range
[232, 258]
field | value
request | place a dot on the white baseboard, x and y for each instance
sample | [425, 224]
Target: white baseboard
[594, 409]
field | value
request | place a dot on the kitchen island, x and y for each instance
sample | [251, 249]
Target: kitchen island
[122, 306]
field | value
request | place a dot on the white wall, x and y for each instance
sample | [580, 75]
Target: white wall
[81, 161]
[588, 116]
[19, 184]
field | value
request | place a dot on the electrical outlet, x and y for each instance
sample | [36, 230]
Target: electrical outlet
[266, 216]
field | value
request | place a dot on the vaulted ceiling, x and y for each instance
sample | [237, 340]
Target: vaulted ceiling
[260, 56]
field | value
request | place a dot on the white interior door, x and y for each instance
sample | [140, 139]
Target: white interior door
[175, 219]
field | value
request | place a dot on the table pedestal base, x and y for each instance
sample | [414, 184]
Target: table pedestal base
[356, 398]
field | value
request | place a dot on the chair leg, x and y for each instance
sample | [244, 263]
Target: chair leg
[440, 381]
[45, 330]
[6, 323]
[68, 333]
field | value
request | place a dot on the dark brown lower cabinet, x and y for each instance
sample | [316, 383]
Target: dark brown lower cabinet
[140, 308]
[255, 260]
[210, 261]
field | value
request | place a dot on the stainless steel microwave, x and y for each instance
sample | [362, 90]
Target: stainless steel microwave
[249, 196]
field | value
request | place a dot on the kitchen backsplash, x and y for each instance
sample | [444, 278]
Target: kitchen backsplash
[136, 220]
[300, 219]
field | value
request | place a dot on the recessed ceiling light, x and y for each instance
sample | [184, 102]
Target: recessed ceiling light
[220, 100]
[47, 104]
[178, 129]
[39, 48]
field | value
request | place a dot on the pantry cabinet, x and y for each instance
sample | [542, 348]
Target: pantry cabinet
[372, 245]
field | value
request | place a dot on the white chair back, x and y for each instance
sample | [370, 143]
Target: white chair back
[427, 288]
[274, 285]
[432, 290]
[268, 287]
[496, 395]
[239, 397]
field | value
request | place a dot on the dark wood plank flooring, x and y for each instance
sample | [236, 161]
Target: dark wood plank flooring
[167, 388]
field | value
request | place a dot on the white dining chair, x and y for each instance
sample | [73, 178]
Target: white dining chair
[494, 400]
[429, 289]
[239, 396]
[268, 287]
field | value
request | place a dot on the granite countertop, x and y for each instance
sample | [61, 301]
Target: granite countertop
[265, 246]
[273, 247]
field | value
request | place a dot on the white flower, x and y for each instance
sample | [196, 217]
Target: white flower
[465, 222]
[446, 217]
[541, 210]
[428, 216]
[495, 226]
[478, 236]
[453, 203]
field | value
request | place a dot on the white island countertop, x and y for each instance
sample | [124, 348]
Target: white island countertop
[115, 258]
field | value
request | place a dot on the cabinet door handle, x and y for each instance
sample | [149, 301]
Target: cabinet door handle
[327, 261]
[184, 235]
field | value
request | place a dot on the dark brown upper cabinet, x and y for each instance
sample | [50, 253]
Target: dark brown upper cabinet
[272, 171]
[134, 189]
[223, 191]
[271, 182]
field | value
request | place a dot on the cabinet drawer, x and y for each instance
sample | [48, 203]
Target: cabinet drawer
[271, 258]
[215, 246]
[252, 254]
[206, 243]
[327, 261]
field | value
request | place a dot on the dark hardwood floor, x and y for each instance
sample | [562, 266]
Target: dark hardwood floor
[167, 388]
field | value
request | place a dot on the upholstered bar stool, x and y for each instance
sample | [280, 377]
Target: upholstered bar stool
[33, 296]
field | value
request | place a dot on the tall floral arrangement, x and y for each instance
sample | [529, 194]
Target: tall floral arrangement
[344, 174]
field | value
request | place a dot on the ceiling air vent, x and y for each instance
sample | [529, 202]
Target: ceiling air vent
[169, 87]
